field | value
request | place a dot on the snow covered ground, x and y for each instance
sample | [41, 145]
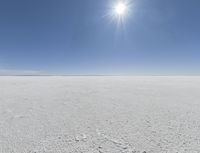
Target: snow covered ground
[99, 114]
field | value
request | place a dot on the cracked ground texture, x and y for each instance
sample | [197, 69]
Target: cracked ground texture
[99, 114]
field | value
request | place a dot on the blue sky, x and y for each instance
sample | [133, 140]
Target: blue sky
[77, 37]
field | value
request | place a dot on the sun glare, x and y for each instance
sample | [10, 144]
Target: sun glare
[120, 11]
[120, 8]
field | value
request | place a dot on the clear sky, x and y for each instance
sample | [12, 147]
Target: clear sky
[157, 37]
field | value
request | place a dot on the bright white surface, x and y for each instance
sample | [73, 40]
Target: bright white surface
[99, 114]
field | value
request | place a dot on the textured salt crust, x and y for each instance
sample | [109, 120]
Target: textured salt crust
[99, 114]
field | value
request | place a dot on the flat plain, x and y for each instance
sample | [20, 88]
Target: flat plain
[99, 114]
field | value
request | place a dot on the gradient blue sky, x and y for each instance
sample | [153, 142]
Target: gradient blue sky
[160, 37]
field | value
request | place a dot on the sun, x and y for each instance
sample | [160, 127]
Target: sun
[120, 8]
[119, 11]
